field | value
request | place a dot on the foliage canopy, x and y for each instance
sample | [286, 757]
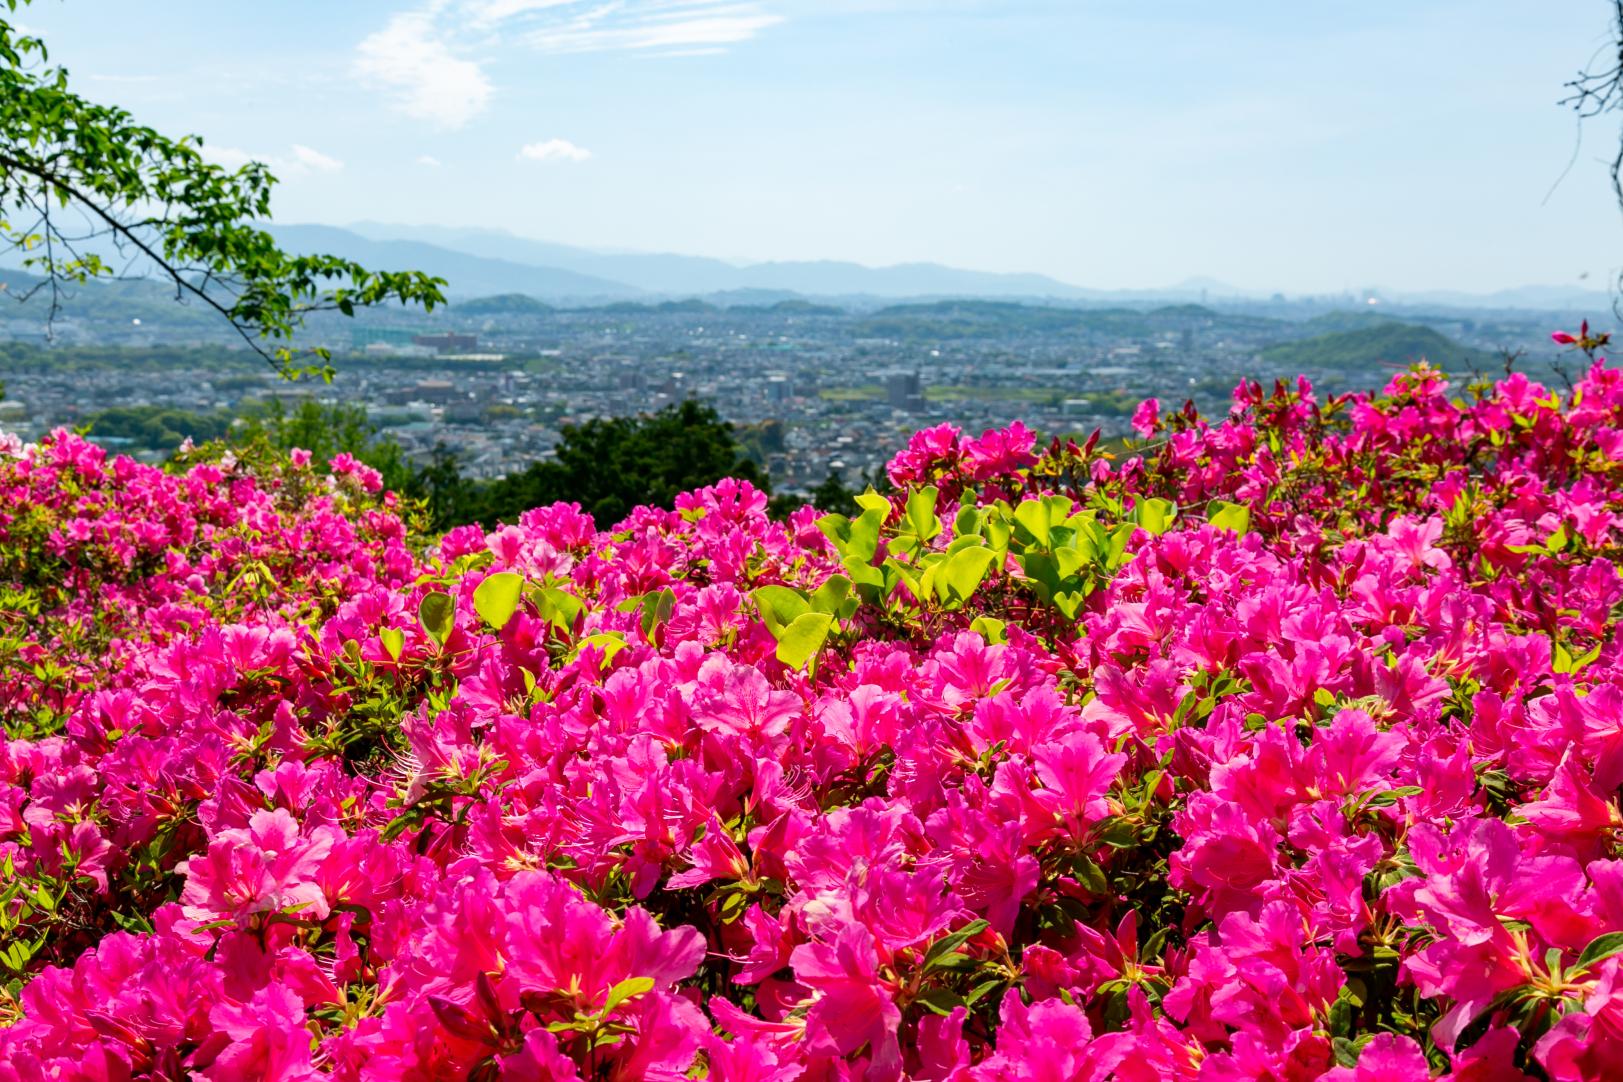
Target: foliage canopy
[88, 193]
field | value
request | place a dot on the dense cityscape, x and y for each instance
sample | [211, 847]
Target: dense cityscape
[814, 389]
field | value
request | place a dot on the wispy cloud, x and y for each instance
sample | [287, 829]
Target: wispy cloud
[554, 150]
[685, 25]
[423, 57]
[299, 161]
[414, 60]
[488, 13]
[428, 160]
[315, 160]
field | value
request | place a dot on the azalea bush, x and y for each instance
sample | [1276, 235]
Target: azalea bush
[1287, 746]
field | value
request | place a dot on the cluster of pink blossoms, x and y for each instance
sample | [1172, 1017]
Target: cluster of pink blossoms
[1325, 787]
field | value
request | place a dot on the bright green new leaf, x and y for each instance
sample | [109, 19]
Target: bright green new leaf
[863, 573]
[609, 642]
[921, 518]
[1032, 516]
[803, 639]
[963, 572]
[779, 605]
[629, 988]
[837, 528]
[394, 641]
[1156, 515]
[496, 598]
[437, 613]
[864, 540]
[1069, 603]
[990, 628]
[656, 609]
[830, 596]
[873, 501]
[1234, 517]
[556, 605]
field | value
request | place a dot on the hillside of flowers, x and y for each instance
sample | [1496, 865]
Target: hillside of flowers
[1287, 746]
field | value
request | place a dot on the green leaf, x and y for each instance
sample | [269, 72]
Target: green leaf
[561, 608]
[1069, 603]
[953, 940]
[779, 605]
[609, 642]
[921, 512]
[939, 1001]
[629, 988]
[496, 598]
[1234, 517]
[394, 641]
[830, 596]
[872, 501]
[1156, 515]
[656, 609]
[962, 574]
[1389, 797]
[1032, 516]
[1090, 876]
[864, 542]
[990, 628]
[803, 639]
[1600, 948]
[979, 992]
[437, 613]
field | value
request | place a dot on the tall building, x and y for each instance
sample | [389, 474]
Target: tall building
[904, 391]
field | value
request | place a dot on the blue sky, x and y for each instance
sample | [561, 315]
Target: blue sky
[1299, 146]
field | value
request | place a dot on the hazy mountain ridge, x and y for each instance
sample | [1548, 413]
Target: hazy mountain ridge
[469, 275]
[697, 275]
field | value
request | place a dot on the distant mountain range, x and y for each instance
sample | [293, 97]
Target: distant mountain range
[481, 261]
[471, 274]
[489, 262]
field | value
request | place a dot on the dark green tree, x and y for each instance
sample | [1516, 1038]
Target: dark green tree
[610, 466]
[158, 428]
[86, 192]
[833, 497]
[327, 429]
[450, 498]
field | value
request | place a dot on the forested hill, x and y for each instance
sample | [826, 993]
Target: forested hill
[1386, 343]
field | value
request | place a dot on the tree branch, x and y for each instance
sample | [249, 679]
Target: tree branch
[125, 234]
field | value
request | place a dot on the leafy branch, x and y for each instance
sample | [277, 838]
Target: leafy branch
[78, 180]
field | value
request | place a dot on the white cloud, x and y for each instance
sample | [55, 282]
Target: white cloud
[315, 160]
[227, 157]
[428, 160]
[413, 61]
[487, 13]
[554, 150]
[300, 161]
[420, 57]
[652, 24]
